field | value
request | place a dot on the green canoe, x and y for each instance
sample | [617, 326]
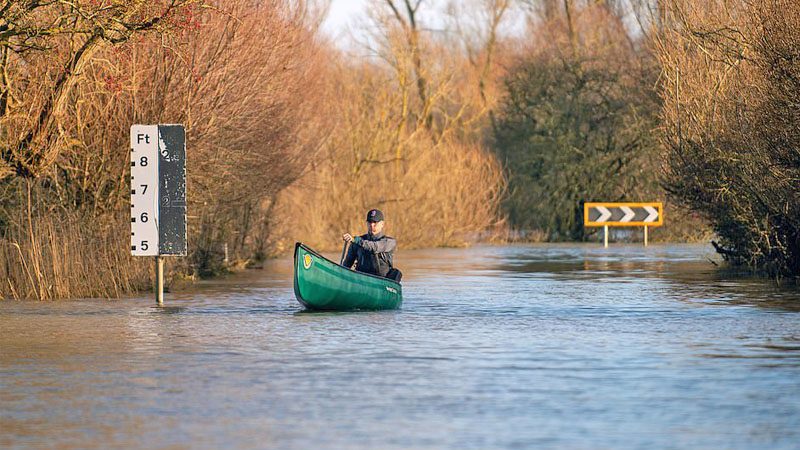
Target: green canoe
[322, 284]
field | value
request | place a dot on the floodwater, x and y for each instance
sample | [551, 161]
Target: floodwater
[550, 346]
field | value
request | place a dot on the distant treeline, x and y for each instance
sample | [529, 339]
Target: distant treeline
[505, 116]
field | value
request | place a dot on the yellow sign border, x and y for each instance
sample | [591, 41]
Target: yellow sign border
[658, 205]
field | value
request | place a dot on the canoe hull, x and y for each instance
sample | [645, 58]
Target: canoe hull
[321, 284]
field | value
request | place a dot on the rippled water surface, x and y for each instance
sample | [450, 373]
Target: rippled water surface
[495, 347]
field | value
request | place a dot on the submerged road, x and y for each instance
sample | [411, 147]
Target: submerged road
[551, 346]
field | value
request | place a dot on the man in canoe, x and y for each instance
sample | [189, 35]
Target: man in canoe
[372, 252]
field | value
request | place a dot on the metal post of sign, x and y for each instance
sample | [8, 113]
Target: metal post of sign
[605, 236]
[159, 281]
[645, 235]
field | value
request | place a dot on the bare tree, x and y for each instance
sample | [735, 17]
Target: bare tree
[72, 31]
[407, 17]
[730, 89]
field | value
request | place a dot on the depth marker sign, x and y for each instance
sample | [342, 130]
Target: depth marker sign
[158, 192]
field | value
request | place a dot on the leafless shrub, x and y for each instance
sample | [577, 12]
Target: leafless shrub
[243, 76]
[730, 92]
[408, 140]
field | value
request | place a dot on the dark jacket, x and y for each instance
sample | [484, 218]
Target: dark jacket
[373, 254]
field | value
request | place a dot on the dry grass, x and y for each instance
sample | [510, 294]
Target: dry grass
[443, 196]
[46, 257]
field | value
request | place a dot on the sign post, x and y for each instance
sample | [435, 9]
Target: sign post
[159, 281]
[158, 195]
[606, 215]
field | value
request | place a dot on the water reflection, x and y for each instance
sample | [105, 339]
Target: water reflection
[166, 310]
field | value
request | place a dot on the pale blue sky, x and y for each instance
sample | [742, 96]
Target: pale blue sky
[344, 15]
[348, 20]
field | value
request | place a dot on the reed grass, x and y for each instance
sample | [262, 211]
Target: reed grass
[49, 258]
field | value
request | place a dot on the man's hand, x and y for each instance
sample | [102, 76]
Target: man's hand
[347, 237]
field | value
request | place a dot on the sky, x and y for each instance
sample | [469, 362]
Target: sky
[347, 20]
[343, 15]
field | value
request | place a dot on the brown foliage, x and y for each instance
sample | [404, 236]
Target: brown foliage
[44, 47]
[730, 94]
[243, 80]
[44, 256]
[408, 140]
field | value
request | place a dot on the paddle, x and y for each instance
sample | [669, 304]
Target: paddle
[344, 252]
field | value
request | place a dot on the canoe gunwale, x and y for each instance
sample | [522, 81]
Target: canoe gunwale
[309, 250]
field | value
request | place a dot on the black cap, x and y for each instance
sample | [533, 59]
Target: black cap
[374, 215]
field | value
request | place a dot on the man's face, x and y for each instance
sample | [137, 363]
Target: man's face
[374, 227]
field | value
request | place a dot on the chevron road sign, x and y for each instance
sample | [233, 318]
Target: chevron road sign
[623, 214]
